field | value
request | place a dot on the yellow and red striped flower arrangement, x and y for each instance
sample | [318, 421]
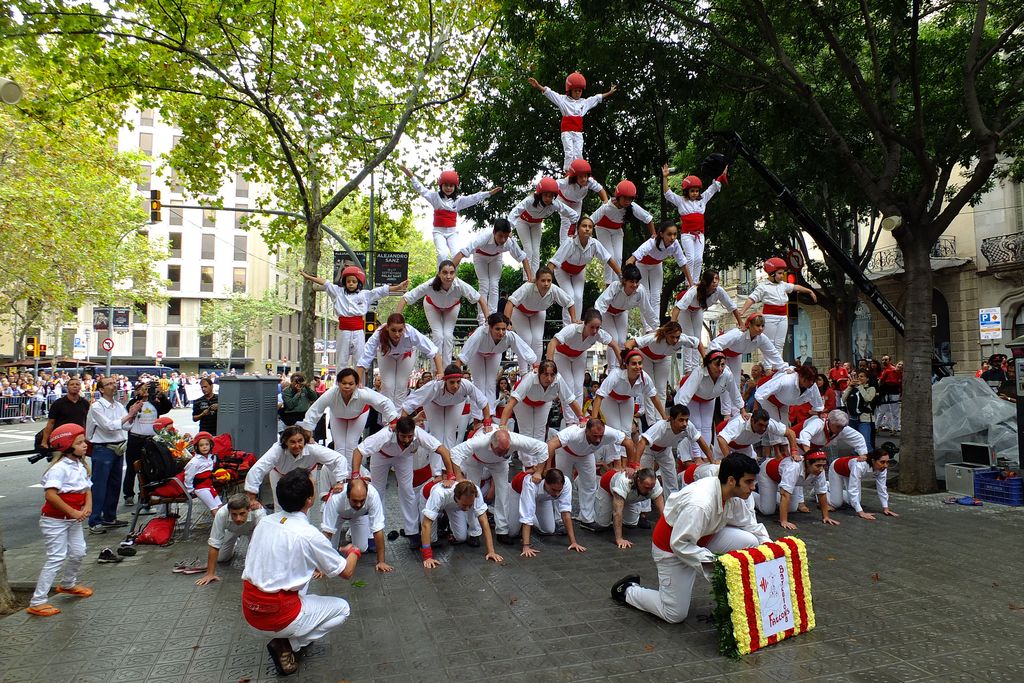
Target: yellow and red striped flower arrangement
[762, 595]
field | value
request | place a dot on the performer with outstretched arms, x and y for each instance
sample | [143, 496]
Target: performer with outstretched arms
[568, 348]
[527, 308]
[774, 297]
[573, 107]
[487, 248]
[691, 207]
[612, 216]
[442, 298]
[689, 312]
[397, 344]
[529, 214]
[572, 258]
[572, 190]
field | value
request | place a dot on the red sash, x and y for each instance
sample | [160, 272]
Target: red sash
[203, 480]
[777, 403]
[73, 498]
[689, 472]
[572, 124]
[651, 354]
[485, 253]
[567, 350]
[730, 353]
[517, 482]
[573, 268]
[572, 229]
[649, 260]
[366, 409]
[526, 216]
[842, 465]
[421, 475]
[269, 611]
[442, 308]
[569, 451]
[615, 311]
[606, 480]
[771, 468]
[526, 311]
[608, 224]
[428, 488]
[619, 397]
[534, 403]
[662, 536]
[350, 322]
[771, 309]
[443, 218]
[736, 446]
[691, 223]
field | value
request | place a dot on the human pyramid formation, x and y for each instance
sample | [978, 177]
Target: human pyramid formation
[450, 458]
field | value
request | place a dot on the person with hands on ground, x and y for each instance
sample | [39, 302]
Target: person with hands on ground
[845, 477]
[619, 498]
[532, 504]
[231, 522]
[361, 507]
[456, 502]
[781, 477]
[295, 450]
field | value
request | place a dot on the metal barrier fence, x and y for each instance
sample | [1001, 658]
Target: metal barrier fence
[14, 409]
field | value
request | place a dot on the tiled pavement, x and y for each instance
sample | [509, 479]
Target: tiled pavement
[935, 595]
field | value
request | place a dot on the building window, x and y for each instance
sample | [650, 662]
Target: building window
[206, 279]
[1018, 323]
[141, 310]
[238, 351]
[174, 243]
[241, 246]
[289, 324]
[174, 275]
[289, 348]
[173, 349]
[146, 143]
[146, 117]
[145, 178]
[240, 216]
[209, 245]
[238, 280]
[206, 346]
[209, 218]
[139, 343]
[174, 184]
[174, 312]
[176, 213]
[241, 186]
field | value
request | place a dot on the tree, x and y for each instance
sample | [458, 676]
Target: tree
[306, 98]
[917, 101]
[72, 222]
[238, 320]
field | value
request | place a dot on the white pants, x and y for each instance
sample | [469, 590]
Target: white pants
[603, 509]
[586, 480]
[442, 329]
[485, 376]
[488, 275]
[671, 601]
[666, 463]
[460, 522]
[775, 328]
[209, 498]
[658, 370]
[529, 236]
[766, 497]
[444, 243]
[532, 422]
[617, 325]
[477, 471]
[652, 277]
[702, 416]
[572, 146]
[563, 228]
[358, 528]
[573, 369]
[349, 348]
[320, 614]
[394, 376]
[779, 415]
[346, 433]
[544, 514]
[531, 329]
[573, 285]
[735, 365]
[693, 249]
[887, 415]
[619, 415]
[380, 465]
[692, 323]
[65, 547]
[444, 422]
[612, 241]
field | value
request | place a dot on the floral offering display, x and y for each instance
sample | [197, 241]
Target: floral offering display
[762, 595]
[177, 443]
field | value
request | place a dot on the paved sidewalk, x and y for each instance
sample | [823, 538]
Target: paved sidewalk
[932, 596]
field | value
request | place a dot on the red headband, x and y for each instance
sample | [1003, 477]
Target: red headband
[815, 455]
[631, 353]
[454, 375]
[714, 355]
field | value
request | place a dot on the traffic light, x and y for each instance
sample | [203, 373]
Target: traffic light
[371, 323]
[42, 350]
[154, 206]
[31, 344]
[791, 278]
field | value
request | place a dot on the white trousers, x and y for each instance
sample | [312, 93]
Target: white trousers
[612, 241]
[358, 528]
[692, 323]
[477, 471]
[532, 422]
[460, 522]
[346, 433]
[572, 147]
[65, 547]
[209, 498]
[488, 275]
[702, 416]
[766, 497]
[658, 370]
[603, 509]
[617, 325]
[319, 615]
[735, 365]
[887, 415]
[394, 376]
[573, 285]
[531, 329]
[573, 369]
[666, 462]
[226, 551]
[693, 249]
[529, 236]
[586, 479]
[349, 348]
[544, 514]
[380, 465]
[563, 228]
[444, 243]
[775, 328]
[671, 601]
[779, 415]
[485, 376]
[652, 277]
[444, 422]
[442, 330]
[619, 415]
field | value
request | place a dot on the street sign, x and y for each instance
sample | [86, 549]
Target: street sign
[390, 267]
[319, 346]
[332, 345]
[341, 258]
[122, 318]
[990, 320]
[269, 366]
[794, 259]
[159, 355]
[80, 351]
[108, 344]
[323, 359]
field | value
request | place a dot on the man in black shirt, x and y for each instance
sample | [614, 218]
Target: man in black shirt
[69, 409]
[204, 408]
[995, 375]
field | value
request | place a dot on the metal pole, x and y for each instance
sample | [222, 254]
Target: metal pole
[370, 259]
[110, 310]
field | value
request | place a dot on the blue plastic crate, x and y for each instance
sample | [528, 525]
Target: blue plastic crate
[1002, 491]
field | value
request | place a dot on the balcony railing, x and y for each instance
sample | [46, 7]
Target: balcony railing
[745, 288]
[891, 258]
[1004, 252]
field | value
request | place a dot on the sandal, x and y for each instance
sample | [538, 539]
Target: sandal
[282, 656]
[46, 610]
[77, 591]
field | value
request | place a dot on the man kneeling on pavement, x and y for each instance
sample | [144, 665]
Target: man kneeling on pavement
[231, 522]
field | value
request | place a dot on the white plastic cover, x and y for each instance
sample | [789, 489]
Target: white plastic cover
[965, 409]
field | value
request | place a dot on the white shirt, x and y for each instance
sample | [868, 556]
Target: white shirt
[571, 341]
[284, 552]
[699, 386]
[571, 252]
[443, 498]
[622, 486]
[528, 300]
[792, 474]
[411, 341]
[784, 388]
[740, 437]
[617, 386]
[697, 511]
[385, 443]
[771, 293]
[67, 476]
[482, 344]
[531, 451]
[484, 247]
[437, 393]
[574, 440]
[197, 465]
[142, 424]
[688, 206]
[441, 298]
[356, 303]
[655, 350]
[611, 217]
[526, 212]
[363, 398]
[614, 301]
[462, 201]
[338, 509]
[690, 302]
[529, 391]
[103, 423]
[570, 107]
[660, 436]
[860, 470]
[737, 342]
[534, 494]
[814, 434]
[572, 193]
[651, 254]
[224, 529]
[282, 461]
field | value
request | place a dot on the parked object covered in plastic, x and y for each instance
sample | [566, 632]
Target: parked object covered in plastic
[965, 409]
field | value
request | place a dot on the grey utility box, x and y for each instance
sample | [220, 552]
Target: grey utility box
[248, 412]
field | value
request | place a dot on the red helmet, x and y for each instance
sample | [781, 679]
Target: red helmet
[63, 436]
[691, 181]
[577, 167]
[202, 435]
[448, 177]
[547, 184]
[356, 271]
[625, 188]
[162, 422]
[774, 264]
[575, 81]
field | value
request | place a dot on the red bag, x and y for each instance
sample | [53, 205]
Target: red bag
[158, 531]
[222, 445]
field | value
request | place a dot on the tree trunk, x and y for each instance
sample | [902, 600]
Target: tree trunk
[917, 458]
[307, 326]
[842, 328]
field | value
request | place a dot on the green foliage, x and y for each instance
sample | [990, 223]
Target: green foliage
[722, 613]
[240, 318]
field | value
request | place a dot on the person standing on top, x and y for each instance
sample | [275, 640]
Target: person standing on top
[690, 307]
[573, 107]
[572, 190]
[774, 297]
[691, 207]
[528, 217]
[611, 218]
[649, 258]
[571, 260]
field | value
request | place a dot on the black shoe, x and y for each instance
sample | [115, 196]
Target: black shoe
[98, 529]
[414, 542]
[129, 501]
[127, 551]
[473, 541]
[114, 524]
[393, 535]
[642, 523]
[590, 526]
[506, 539]
[619, 589]
[107, 556]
